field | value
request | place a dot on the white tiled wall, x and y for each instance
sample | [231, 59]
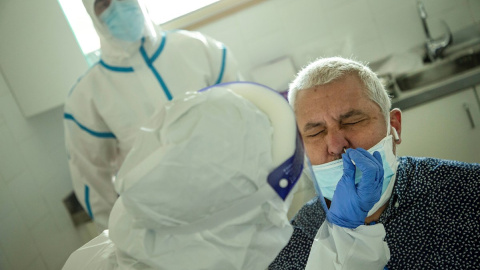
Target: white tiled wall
[35, 229]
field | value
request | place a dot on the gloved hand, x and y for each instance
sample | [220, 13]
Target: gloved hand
[350, 202]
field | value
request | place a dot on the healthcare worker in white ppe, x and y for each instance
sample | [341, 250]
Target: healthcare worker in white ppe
[208, 184]
[141, 68]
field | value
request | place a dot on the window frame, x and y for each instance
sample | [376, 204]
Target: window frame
[208, 14]
[190, 21]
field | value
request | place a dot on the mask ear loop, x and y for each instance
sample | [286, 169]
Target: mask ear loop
[395, 134]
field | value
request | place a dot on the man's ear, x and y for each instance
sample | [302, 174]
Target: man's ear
[396, 124]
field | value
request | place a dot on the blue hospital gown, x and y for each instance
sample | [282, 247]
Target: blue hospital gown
[432, 220]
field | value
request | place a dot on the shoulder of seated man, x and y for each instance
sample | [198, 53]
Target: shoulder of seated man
[310, 217]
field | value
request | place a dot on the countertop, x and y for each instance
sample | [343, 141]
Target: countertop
[407, 99]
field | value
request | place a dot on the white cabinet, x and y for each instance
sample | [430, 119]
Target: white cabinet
[447, 128]
[39, 56]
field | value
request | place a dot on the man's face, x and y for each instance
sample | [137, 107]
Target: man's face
[336, 116]
[100, 6]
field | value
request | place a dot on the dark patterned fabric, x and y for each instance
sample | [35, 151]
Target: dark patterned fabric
[432, 220]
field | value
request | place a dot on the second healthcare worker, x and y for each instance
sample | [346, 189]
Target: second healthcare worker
[141, 68]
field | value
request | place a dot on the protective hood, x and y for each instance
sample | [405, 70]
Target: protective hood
[115, 51]
[194, 192]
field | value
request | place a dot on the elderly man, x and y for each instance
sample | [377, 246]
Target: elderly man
[429, 207]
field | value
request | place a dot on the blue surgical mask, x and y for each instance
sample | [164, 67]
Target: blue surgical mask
[124, 20]
[329, 174]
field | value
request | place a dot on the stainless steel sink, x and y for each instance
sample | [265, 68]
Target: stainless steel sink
[439, 71]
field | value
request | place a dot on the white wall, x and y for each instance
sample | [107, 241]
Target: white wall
[307, 29]
[35, 229]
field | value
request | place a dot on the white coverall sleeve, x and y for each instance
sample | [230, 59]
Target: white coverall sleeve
[337, 248]
[91, 161]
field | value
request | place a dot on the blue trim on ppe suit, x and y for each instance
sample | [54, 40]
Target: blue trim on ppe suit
[149, 62]
[116, 69]
[87, 201]
[222, 69]
[106, 135]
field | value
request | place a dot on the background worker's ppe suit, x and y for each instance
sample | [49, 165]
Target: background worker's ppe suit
[107, 106]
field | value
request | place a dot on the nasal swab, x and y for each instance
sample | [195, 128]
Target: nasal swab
[345, 151]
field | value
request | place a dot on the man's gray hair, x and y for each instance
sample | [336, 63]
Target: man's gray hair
[325, 70]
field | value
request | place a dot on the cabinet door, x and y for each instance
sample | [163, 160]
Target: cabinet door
[446, 128]
[477, 94]
[39, 56]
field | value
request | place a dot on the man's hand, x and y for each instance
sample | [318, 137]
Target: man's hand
[351, 203]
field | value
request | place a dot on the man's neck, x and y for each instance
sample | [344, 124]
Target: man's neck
[376, 215]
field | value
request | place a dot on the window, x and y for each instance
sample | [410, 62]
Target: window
[179, 14]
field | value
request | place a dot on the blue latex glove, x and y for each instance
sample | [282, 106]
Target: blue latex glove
[351, 203]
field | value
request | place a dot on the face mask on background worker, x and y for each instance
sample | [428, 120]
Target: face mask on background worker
[122, 22]
[125, 20]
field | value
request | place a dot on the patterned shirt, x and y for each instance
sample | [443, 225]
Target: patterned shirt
[432, 220]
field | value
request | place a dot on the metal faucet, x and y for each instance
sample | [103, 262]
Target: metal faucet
[433, 46]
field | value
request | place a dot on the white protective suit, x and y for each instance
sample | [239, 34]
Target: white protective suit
[107, 106]
[207, 185]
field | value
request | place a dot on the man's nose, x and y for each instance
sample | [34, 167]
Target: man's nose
[336, 143]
